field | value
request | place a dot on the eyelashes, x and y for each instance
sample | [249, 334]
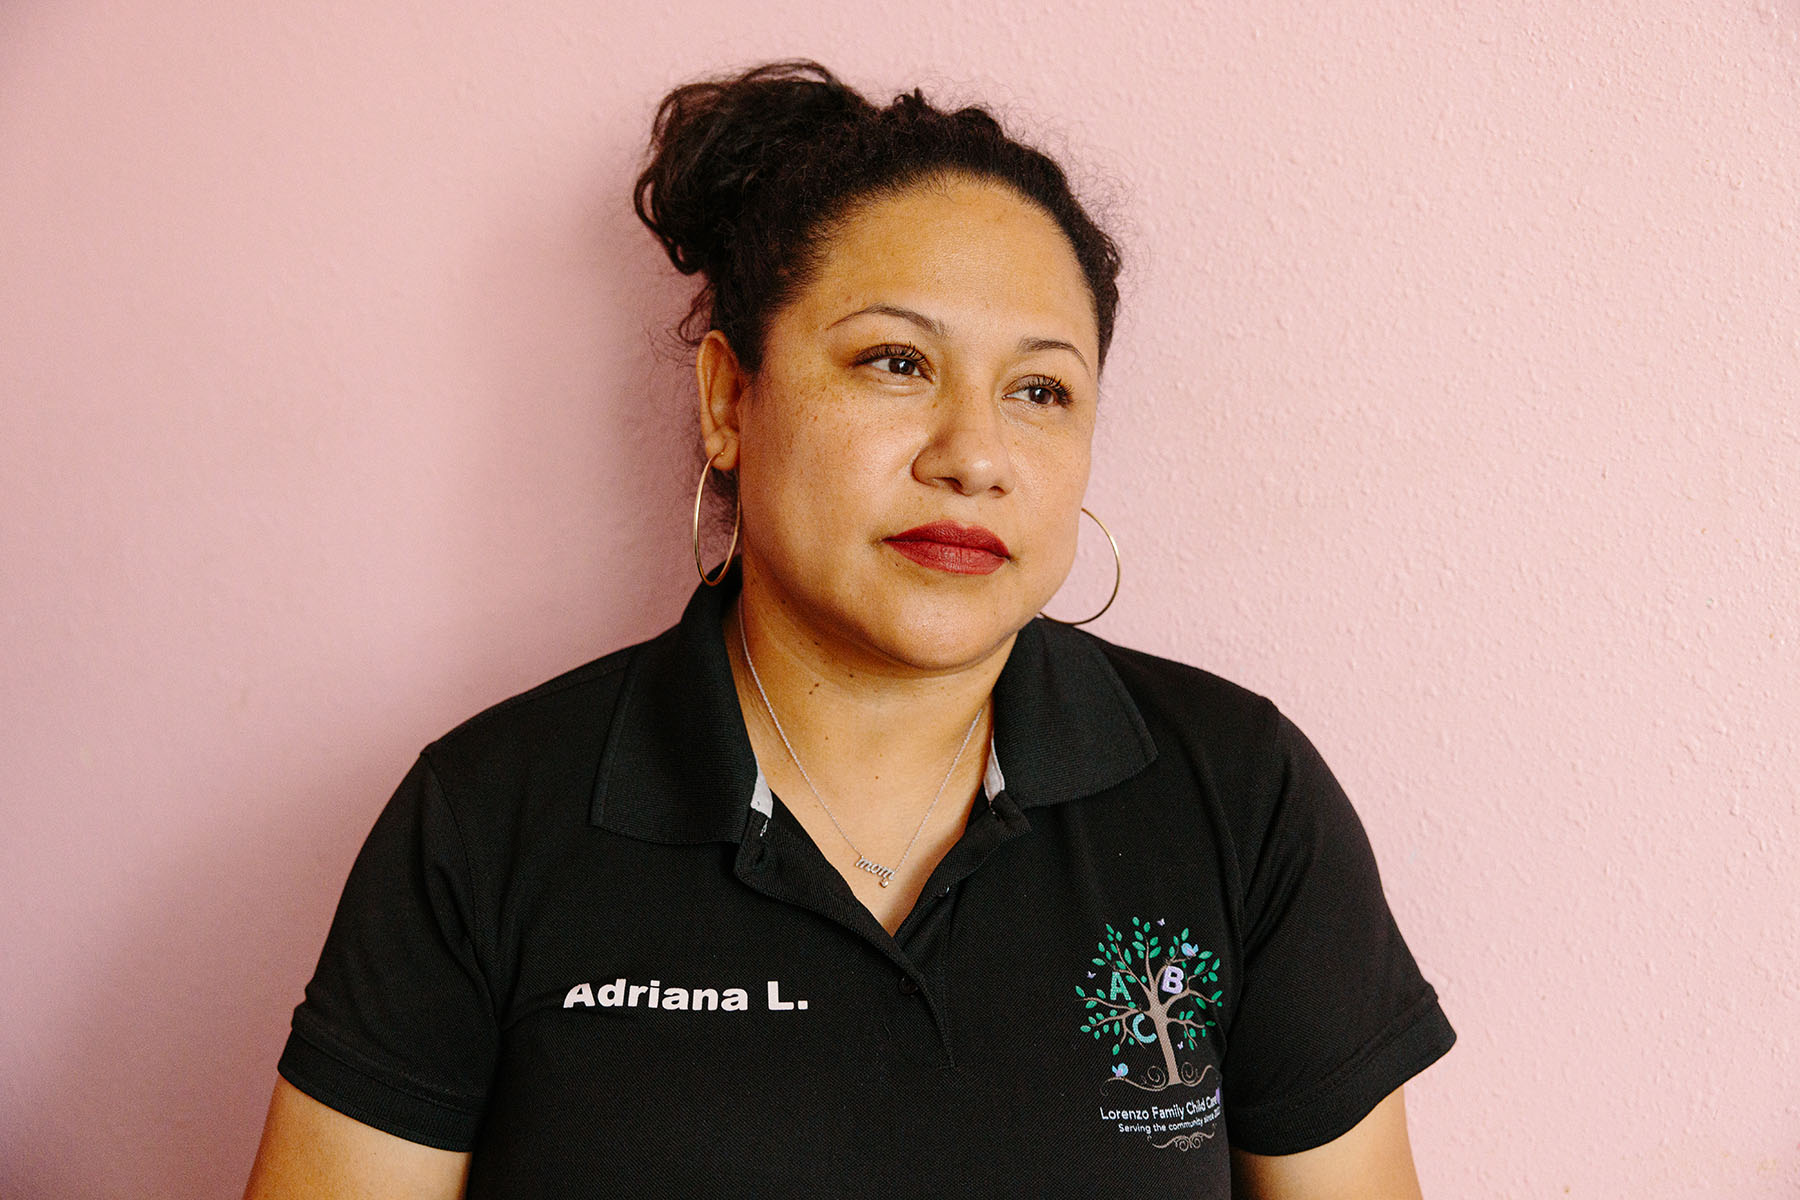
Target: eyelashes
[907, 362]
[1058, 391]
[899, 352]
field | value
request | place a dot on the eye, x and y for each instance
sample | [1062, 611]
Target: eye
[901, 360]
[1042, 391]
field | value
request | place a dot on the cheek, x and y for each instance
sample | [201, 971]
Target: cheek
[1068, 538]
[1061, 471]
[1061, 485]
[818, 462]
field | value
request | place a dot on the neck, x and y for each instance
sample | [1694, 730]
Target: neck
[870, 732]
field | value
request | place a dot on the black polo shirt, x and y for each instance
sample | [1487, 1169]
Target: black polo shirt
[585, 942]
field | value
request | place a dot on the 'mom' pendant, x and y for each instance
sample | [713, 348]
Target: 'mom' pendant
[876, 869]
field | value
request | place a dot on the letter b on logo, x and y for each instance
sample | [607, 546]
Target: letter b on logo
[1172, 979]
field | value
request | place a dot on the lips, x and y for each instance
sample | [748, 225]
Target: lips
[958, 549]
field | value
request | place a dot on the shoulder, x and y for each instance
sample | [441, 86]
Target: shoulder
[1182, 688]
[515, 780]
[1246, 760]
[547, 740]
[1206, 714]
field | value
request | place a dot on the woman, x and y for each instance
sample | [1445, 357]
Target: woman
[862, 879]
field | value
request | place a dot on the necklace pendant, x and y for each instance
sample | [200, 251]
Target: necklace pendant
[863, 863]
[876, 869]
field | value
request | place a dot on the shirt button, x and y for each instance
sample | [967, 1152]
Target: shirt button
[907, 985]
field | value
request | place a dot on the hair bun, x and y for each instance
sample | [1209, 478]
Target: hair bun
[714, 142]
[748, 176]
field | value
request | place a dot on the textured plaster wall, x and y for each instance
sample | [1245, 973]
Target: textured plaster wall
[1456, 406]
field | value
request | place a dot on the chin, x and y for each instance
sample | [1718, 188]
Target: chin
[950, 636]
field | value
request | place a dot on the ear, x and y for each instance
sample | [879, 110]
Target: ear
[722, 383]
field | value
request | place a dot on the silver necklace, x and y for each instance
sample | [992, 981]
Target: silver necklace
[863, 861]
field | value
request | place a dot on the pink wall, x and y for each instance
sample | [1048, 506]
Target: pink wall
[1456, 405]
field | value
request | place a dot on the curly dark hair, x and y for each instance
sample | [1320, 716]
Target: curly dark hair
[749, 175]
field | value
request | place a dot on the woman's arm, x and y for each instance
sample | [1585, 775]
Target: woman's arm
[312, 1151]
[1373, 1161]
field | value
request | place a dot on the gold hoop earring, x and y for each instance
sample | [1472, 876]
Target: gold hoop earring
[737, 517]
[1118, 576]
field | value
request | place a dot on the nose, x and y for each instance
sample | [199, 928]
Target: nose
[965, 447]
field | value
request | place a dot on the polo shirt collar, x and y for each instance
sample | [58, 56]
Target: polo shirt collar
[678, 768]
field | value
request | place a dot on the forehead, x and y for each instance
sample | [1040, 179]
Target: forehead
[966, 252]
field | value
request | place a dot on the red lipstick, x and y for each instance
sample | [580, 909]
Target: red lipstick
[958, 549]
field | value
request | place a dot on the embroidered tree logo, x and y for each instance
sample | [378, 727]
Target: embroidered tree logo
[1148, 992]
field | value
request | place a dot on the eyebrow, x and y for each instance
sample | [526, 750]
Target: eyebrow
[935, 327]
[1031, 345]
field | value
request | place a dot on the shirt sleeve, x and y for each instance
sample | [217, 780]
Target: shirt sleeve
[398, 1029]
[1334, 1014]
